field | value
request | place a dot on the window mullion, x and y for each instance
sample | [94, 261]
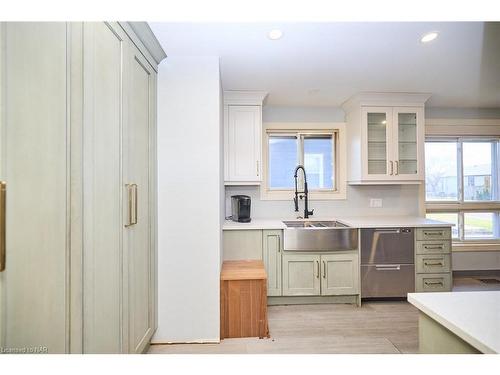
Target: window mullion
[460, 171]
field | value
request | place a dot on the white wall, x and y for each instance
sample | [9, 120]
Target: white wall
[189, 199]
[396, 200]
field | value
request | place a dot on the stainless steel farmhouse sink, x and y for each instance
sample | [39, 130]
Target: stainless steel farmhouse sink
[319, 236]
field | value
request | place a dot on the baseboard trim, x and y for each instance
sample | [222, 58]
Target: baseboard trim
[309, 300]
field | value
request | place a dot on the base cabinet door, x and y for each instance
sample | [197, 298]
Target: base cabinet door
[339, 274]
[272, 249]
[301, 275]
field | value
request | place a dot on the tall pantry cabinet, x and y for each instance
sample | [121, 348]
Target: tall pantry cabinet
[78, 158]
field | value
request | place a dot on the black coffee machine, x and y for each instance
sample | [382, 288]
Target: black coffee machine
[240, 208]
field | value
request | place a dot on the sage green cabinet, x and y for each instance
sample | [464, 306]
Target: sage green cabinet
[301, 275]
[242, 244]
[339, 274]
[325, 274]
[272, 248]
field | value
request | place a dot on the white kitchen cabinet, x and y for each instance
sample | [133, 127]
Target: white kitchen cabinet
[78, 277]
[386, 138]
[243, 137]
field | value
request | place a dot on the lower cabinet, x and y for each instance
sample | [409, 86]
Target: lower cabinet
[272, 247]
[325, 274]
[301, 275]
[340, 274]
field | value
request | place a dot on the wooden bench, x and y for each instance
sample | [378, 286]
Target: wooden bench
[243, 300]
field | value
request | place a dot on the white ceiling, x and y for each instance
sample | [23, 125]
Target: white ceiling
[323, 64]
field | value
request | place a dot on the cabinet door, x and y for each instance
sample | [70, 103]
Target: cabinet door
[272, 250]
[301, 275]
[339, 274]
[105, 46]
[244, 143]
[408, 135]
[377, 150]
[139, 255]
[34, 132]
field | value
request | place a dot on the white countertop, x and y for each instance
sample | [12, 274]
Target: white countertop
[254, 224]
[390, 221]
[352, 221]
[472, 316]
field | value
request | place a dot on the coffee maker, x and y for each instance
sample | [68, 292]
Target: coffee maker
[240, 208]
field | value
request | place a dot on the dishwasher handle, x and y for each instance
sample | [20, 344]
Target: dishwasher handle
[388, 267]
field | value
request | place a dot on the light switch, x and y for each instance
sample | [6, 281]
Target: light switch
[376, 203]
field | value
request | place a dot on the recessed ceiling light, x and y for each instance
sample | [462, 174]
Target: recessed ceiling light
[275, 34]
[429, 37]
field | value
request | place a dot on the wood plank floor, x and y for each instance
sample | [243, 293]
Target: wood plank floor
[376, 327]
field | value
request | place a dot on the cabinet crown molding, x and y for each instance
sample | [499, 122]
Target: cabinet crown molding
[143, 37]
[411, 99]
[244, 97]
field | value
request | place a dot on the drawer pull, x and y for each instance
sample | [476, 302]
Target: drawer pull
[430, 283]
[440, 264]
[435, 247]
[388, 267]
[440, 233]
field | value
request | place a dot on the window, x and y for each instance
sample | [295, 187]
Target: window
[315, 152]
[319, 147]
[462, 185]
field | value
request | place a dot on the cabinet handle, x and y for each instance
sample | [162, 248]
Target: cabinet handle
[3, 224]
[132, 204]
[397, 167]
[279, 244]
[135, 203]
[317, 269]
[429, 283]
[436, 247]
[392, 168]
[440, 233]
[324, 270]
[433, 264]
[257, 162]
[129, 196]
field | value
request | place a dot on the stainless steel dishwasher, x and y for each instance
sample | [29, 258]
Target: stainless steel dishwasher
[387, 262]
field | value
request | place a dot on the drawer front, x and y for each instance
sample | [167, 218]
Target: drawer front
[433, 282]
[424, 234]
[433, 263]
[433, 247]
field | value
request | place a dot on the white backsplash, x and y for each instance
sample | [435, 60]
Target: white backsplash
[396, 200]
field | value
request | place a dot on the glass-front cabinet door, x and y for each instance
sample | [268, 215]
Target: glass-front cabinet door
[407, 141]
[376, 151]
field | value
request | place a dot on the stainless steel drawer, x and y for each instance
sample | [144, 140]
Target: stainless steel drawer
[433, 282]
[387, 280]
[424, 234]
[433, 247]
[433, 263]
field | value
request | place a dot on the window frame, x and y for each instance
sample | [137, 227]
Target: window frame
[461, 206]
[302, 131]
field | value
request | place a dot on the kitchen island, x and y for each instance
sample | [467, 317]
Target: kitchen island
[458, 322]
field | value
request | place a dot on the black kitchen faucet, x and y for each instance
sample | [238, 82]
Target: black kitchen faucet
[305, 193]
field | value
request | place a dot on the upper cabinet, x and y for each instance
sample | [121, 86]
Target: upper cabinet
[243, 137]
[385, 138]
